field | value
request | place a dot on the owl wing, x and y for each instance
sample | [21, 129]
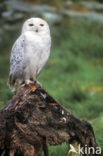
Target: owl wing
[16, 60]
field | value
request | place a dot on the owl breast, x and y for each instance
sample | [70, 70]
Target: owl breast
[37, 51]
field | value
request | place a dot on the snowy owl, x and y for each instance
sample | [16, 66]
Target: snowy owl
[30, 52]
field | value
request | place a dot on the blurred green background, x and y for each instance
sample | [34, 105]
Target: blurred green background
[74, 73]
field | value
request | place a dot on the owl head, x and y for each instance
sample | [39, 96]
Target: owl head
[36, 25]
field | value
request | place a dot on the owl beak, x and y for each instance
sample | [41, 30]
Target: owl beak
[36, 30]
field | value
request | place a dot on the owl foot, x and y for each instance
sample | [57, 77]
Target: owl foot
[27, 82]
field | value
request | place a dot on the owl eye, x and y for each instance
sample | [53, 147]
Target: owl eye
[31, 24]
[41, 25]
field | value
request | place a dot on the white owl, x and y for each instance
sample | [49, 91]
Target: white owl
[30, 52]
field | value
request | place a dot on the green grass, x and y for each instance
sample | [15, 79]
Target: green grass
[73, 75]
[55, 150]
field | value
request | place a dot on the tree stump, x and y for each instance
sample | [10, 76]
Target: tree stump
[32, 119]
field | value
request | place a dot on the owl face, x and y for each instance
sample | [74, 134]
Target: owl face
[36, 25]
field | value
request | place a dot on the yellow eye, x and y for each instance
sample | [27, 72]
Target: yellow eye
[31, 24]
[41, 25]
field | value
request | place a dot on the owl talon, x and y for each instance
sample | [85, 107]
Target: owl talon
[27, 82]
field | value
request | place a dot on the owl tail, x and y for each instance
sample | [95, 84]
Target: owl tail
[11, 82]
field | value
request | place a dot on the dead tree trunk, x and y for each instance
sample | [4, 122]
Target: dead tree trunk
[32, 119]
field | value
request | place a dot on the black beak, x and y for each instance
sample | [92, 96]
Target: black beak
[36, 30]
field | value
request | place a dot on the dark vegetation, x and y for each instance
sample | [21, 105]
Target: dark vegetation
[32, 119]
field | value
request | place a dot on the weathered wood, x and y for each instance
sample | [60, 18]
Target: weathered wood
[32, 119]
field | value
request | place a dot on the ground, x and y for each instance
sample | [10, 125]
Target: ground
[73, 75]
